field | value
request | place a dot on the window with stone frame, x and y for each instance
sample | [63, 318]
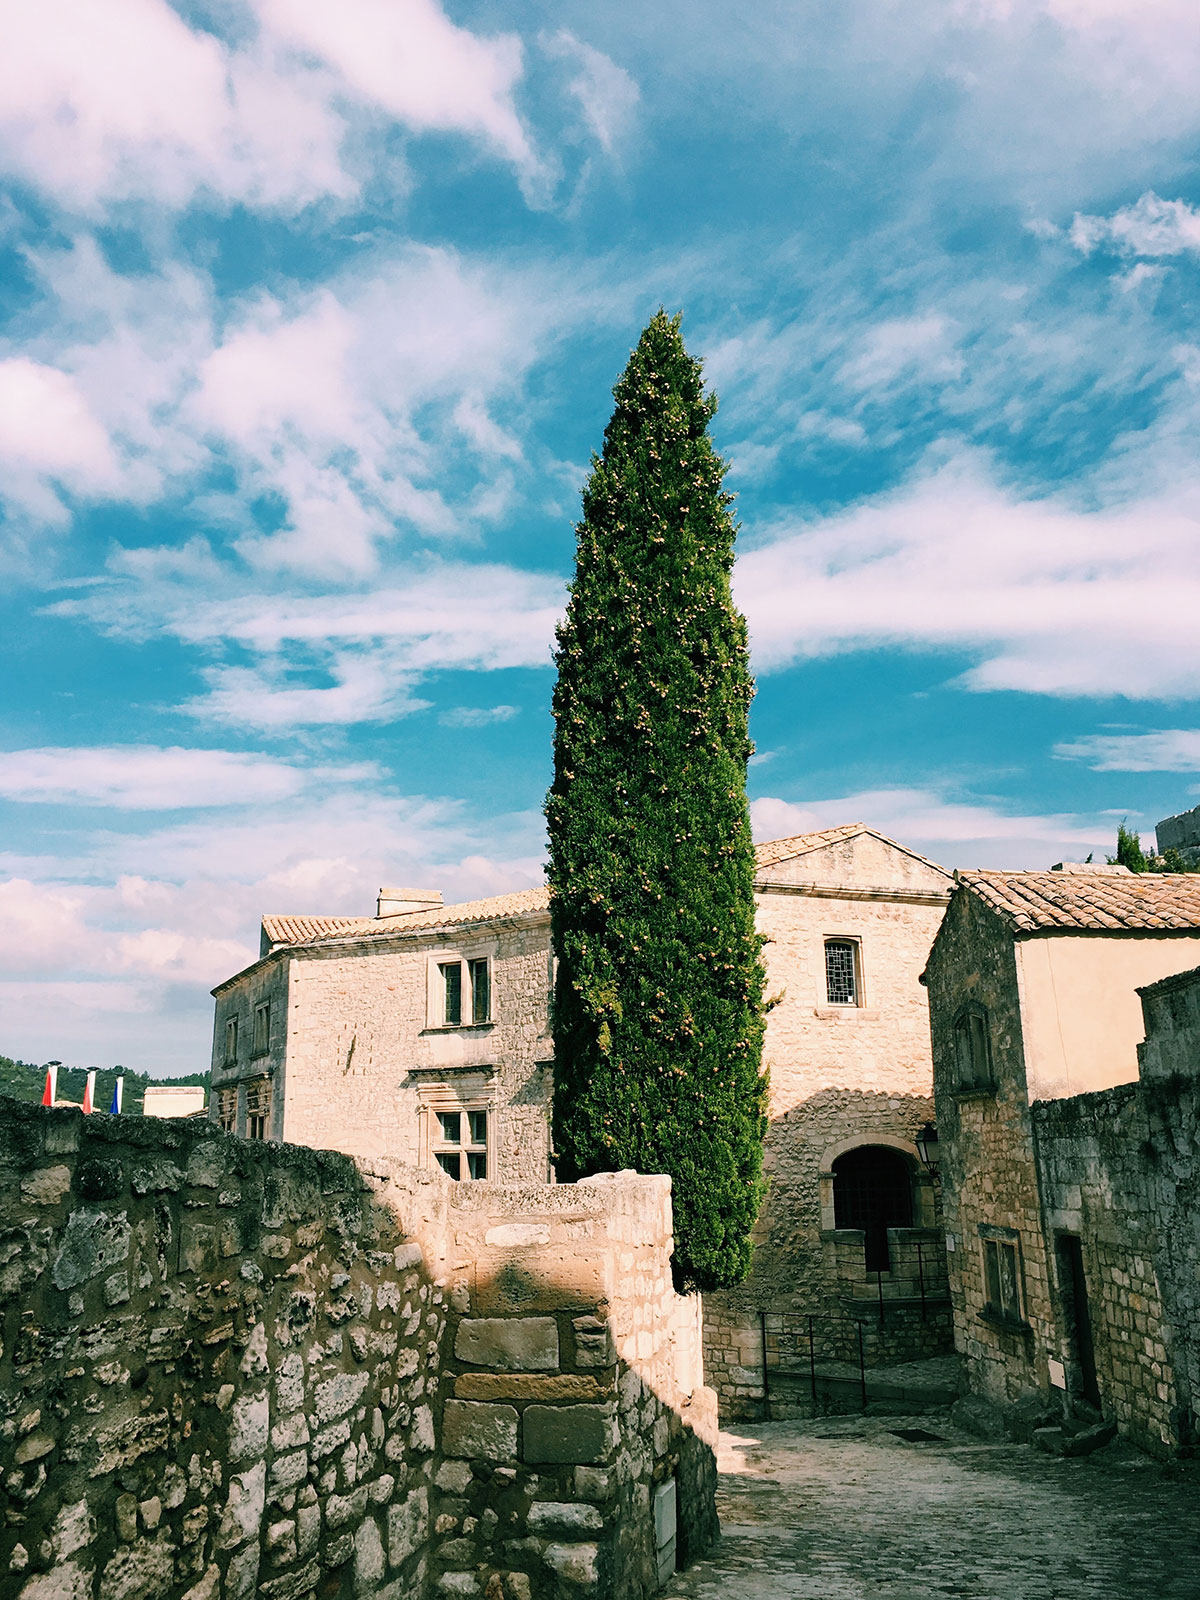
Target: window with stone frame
[459, 1142]
[973, 1049]
[842, 976]
[258, 1109]
[262, 1028]
[465, 989]
[231, 1041]
[1002, 1279]
[227, 1100]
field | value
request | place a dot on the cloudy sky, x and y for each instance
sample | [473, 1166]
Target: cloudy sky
[310, 317]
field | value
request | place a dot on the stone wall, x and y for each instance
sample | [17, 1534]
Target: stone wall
[235, 1369]
[1095, 1160]
[989, 1175]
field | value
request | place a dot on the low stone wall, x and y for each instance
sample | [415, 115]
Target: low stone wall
[234, 1369]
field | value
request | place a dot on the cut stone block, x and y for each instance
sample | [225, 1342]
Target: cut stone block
[514, 1344]
[474, 1430]
[570, 1435]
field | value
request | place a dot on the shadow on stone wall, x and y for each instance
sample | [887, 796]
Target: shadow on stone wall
[233, 1369]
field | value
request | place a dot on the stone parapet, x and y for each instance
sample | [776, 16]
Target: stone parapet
[234, 1369]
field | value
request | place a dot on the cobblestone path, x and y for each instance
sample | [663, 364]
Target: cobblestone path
[843, 1509]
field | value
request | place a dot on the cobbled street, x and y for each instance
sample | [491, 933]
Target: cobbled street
[844, 1509]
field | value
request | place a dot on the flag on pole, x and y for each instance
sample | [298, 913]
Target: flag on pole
[115, 1108]
[88, 1092]
[51, 1089]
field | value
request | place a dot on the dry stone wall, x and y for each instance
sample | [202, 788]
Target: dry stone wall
[234, 1369]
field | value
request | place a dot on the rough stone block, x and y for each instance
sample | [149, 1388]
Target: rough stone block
[47, 1187]
[476, 1431]
[136, 1571]
[368, 1557]
[408, 1525]
[526, 1386]
[575, 1564]
[93, 1242]
[575, 1435]
[337, 1395]
[248, 1426]
[563, 1518]
[515, 1344]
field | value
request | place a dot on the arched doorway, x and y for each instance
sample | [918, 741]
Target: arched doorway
[872, 1190]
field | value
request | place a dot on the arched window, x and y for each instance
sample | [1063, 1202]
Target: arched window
[973, 1049]
[872, 1190]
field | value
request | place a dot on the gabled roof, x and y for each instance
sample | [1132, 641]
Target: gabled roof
[1147, 902]
[775, 851]
[291, 930]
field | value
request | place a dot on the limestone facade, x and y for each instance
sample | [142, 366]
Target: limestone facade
[235, 1369]
[1067, 1214]
[360, 1057]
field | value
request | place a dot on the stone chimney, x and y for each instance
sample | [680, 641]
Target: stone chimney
[394, 902]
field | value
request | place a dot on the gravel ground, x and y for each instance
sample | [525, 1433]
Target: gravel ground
[843, 1509]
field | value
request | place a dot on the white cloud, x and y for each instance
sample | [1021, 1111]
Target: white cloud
[477, 716]
[1165, 750]
[1051, 599]
[104, 100]
[49, 437]
[956, 833]
[366, 688]
[912, 349]
[607, 95]
[407, 58]
[1150, 227]
[150, 778]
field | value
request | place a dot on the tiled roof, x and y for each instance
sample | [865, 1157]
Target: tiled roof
[1137, 902]
[517, 904]
[776, 850]
[296, 930]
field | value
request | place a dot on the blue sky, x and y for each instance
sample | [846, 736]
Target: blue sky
[311, 315]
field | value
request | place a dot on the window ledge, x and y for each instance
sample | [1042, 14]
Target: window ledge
[457, 1027]
[985, 1091]
[863, 1013]
[1002, 1324]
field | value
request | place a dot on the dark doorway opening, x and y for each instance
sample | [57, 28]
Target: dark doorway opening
[872, 1190]
[1078, 1316]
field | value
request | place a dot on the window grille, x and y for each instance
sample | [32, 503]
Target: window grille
[227, 1109]
[452, 989]
[460, 1143]
[481, 991]
[231, 1041]
[258, 1109]
[841, 976]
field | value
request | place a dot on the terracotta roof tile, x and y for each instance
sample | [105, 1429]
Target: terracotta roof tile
[282, 929]
[776, 850]
[1134, 902]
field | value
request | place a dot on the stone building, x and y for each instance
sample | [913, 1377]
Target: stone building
[1069, 1185]
[1182, 833]
[423, 1034]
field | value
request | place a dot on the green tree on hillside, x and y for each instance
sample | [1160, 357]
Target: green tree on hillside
[658, 1008]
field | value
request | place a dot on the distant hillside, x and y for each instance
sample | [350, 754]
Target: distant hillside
[25, 1081]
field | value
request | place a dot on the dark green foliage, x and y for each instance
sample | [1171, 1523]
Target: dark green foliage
[25, 1081]
[1130, 854]
[1129, 851]
[658, 1011]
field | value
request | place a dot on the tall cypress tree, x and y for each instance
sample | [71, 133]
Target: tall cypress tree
[658, 1007]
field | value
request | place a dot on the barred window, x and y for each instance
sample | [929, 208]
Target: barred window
[262, 1028]
[231, 1041]
[460, 1143]
[841, 972]
[227, 1108]
[258, 1109]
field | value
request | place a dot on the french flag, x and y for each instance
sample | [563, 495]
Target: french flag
[51, 1090]
[115, 1108]
[89, 1091]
